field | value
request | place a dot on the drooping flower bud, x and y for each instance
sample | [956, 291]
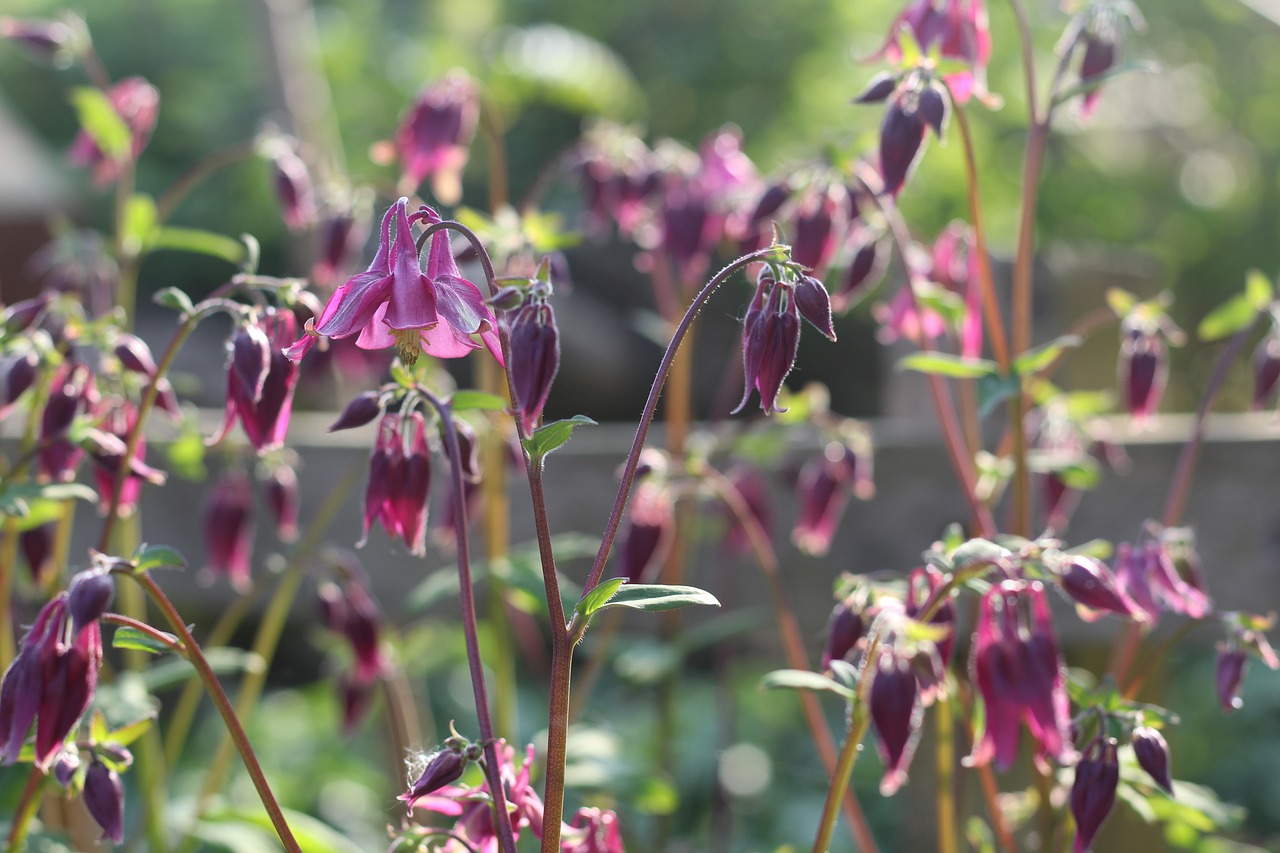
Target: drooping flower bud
[878, 89]
[865, 268]
[20, 374]
[282, 499]
[72, 392]
[228, 530]
[292, 182]
[104, 798]
[1153, 755]
[535, 358]
[251, 359]
[20, 316]
[819, 224]
[37, 548]
[814, 305]
[845, 628]
[896, 714]
[399, 482]
[917, 105]
[770, 341]
[342, 234]
[360, 411]
[1144, 370]
[434, 136]
[922, 584]
[89, 595]
[261, 398]
[1266, 370]
[823, 490]
[1091, 585]
[1093, 793]
[750, 484]
[1232, 663]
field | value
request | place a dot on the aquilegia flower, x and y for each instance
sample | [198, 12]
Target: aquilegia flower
[394, 303]
[434, 135]
[261, 379]
[137, 103]
[228, 530]
[896, 714]
[592, 831]
[1093, 793]
[52, 679]
[958, 29]
[1021, 676]
[399, 482]
[349, 610]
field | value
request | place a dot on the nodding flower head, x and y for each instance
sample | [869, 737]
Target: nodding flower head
[434, 136]
[770, 340]
[1152, 752]
[535, 354]
[650, 527]
[1019, 672]
[228, 530]
[823, 490]
[1093, 792]
[292, 182]
[399, 481]
[896, 714]
[261, 379]
[1099, 34]
[957, 29]
[395, 303]
[137, 103]
[916, 105]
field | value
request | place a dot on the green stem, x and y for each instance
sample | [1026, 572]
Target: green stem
[858, 724]
[25, 811]
[944, 731]
[223, 704]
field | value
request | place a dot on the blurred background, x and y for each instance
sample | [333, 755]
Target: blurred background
[1173, 185]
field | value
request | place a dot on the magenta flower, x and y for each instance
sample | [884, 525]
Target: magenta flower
[137, 103]
[292, 182]
[1093, 792]
[434, 136]
[896, 714]
[261, 379]
[72, 393]
[399, 482]
[770, 340]
[349, 610]
[1146, 575]
[282, 500]
[394, 303]
[228, 530]
[1144, 371]
[1020, 674]
[823, 491]
[535, 354]
[922, 584]
[958, 29]
[52, 679]
[108, 455]
[592, 831]
[751, 486]
[473, 807]
[845, 627]
[1095, 589]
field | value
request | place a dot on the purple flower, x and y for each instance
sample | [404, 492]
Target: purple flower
[1266, 370]
[73, 392]
[896, 713]
[442, 767]
[108, 456]
[88, 596]
[865, 267]
[535, 354]
[56, 42]
[394, 303]
[650, 527]
[292, 182]
[845, 627]
[434, 136]
[1019, 672]
[1092, 586]
[261, 379]
[104, 798]
[52, 679]
[592, 831]
[1101, 29]
[228, 530]
[1232, 662]
[399, 482]
[37, 548]
[823, 492]
[360, 411]
[1144, 370]
[959, 30]
[820, 221]
[282, 499]
[770, 340]
[1153, 755]
[750, 485]
[922, 584]
[137, 103]
[1146, 576]
[342, 235]
[1093, 792]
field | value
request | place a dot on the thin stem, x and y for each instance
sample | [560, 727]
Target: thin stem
[197, 174]
[945, 758]
[223, 704]
[651, 405]
[493, 769]
[25, 811]
[987, 778]
[858, 724]
[1028, 56]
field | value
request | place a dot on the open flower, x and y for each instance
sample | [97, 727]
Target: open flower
[958, 29]
[394, 303]
[137, 103]
[434, 136]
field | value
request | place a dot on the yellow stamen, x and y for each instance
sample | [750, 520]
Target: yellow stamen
[408, 345]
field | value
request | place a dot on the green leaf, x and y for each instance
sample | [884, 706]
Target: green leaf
[138, 224]
[99, 119]
[200, 242]
[945, 364]
[1258, 288]
[802, 679]
[977, 552]
[312, 834]
[1228, 318]
[222, 660]
[565, 68]
[160, 556]
[654, 597]
[1121, 301]
[549, 437]
[1037, 359]
[465, 400]
[126, 735]
[19, 499]
[993, 390]
[186, 453]
[126, 637]
[172, 297]
[594, 600]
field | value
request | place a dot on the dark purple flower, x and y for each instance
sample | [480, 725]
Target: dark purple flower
[845, 628]
[399, 482]
[1091, 585]
[37, 547]
[292, 182]
[865, 267]
[261, 401]
[50, 682]
[959, 31]
[282, 499]
[1266, 370]
[770, 341]
[1093, 792]
[442, 767]
[823, 491]
[1153, 755]
[434, 136]
[901, 138]
[89, 595]
[896, 713]
[650, 526]
[135, 355]
[1232, 663]
[592, 831]
[20, 373]
[342, 235]
[228, 530]
[108, 456]
[104, 798]
[922, 584]
[814, 305]
[73, 392]
[23, 315]
[1144, 370]
[137, 103]
[750, 484]
[1019, 672]
[360, 411]
[535, 358]
[820, 221]
[878, 89]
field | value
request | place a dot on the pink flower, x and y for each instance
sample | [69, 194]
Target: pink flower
[137, 103]
[958, 29]
[394, 303]
[228, 530]
[434, 135]
[399, 482]
[592, 831]
[261, 380]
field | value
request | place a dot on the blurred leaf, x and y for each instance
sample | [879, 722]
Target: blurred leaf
[549, 437]
[977, 552]
[801, 679]
[645, 662]
[17, 499]
[222, 659]
[126, 637]
[172, 297]
[159, 556]
[656, 597]
[656, 797]
[313, 835]
[1084, 87]
[1121, 301]
[126, 735]
[467, 400]
[565, 68]
[98, 118]
[523, 567]
[138, 224]
[993, 390]
[945, 364]
[1037, 359]
[186, 453]
[201, 242]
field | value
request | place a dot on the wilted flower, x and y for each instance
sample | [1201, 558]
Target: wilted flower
[958, 29]
[394, 303]
[228, 529]
[52, 679]
[104, 798]
[592, 831]
[137, 103]
[1093, 793]
[896, 714]
[434, 135]
[399, 481]
[1019, 672]
[1153, 755]
[261, 379]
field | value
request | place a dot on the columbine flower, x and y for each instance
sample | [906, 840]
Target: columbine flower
[137, 103]
[1152, 752]
[1094, 589]
[917, 104]
[845, 627]
[108, 455]
[922, 584]
[535, 353]
[823, 492]
[261, 379]
[750, 484]
[1093, 793]
[592, 831]
[1266, 370]
[1147, 577]
[394, 303]
[292, 182]
[1020, 674]
[399, 482]
[434, 135]
[1101, 30]
[282, 499]
[770, 340]
[959, 31]
[1144, 370]
[52, 679]
[228, 530]
[349, 610]
[649, 532]
[896, 714]
[73, 392]
[104, 798]
[37, 547]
